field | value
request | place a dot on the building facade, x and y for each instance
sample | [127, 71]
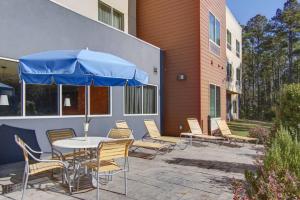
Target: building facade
[31, 26]
[193, 37]
[234, 61]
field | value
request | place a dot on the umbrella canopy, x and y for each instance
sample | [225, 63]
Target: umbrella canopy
[6, 89]
[79, 67]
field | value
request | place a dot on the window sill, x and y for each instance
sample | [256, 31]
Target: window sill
[51, 117]
[137, 115]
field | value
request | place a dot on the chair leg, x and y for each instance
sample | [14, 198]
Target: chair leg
[125, 178]
[25, 181]
[98, 197]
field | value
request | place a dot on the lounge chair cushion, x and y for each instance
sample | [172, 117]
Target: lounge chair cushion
[149, 145]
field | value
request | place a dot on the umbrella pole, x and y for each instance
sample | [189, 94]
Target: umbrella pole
[86, 123]
[86, 104]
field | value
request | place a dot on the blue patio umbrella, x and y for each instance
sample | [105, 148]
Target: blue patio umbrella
[80, 68]
[6, 89]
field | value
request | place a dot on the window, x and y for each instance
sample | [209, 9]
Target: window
[229, 40]
[133, 100]
[99, 100]
[140, 100]
[73, 100]
[110, 16]
[214, 29]
[41, 100]
[10, 93]
[215, 101]
[149, 99]
[234, 105]
[238, 76]
[238, 48]
[229, 72]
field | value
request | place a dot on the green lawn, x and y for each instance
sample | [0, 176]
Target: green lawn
[241, 127]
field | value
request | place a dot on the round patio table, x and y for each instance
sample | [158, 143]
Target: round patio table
[80, 142]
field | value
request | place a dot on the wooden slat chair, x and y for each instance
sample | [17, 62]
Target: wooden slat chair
[226, 133]
[106, 163]
[122, 132]
[60, 134]
[154, 134]
[196, 131]
[40, 165]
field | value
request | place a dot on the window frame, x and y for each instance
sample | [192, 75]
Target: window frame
[112, 10]
[215, 29]
[59, 115]
[142, 114]
[215, 86]
[238, 50]
[229, 45]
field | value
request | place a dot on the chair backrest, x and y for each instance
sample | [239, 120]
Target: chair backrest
[194, 126]
[119, 133]
[121, 124]
[152, 128]
[223, 127]
[115, 149]
[22, 145]
[59, 134]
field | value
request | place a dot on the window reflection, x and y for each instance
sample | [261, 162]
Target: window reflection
[73, 100]
[100, 100]
[10, 91]
[41, 100]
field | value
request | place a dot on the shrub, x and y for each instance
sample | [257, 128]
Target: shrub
[289, 108]
[277, 175]
[262, 133]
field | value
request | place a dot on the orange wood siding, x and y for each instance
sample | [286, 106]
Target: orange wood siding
[212, 73]
[175, 27]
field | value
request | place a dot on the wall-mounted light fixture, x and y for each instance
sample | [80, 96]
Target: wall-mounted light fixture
[155, 70]
[4, 100]
[181, 77]
[67, 102]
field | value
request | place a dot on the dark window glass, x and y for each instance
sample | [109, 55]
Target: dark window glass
[10, 93]
[215, 101]
[41, 100]
[212, 101]
[73, 100]
[229, 39]
[150, 99]
[238, 48]
[238, 76]
[214, 29]
[100, 100]
[218, 33]
[234, 104]
[229, 71]
[218, 102]
[133, 100]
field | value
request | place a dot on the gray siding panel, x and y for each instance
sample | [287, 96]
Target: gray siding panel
[30, 26]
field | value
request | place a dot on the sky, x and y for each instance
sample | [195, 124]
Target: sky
[244, 10]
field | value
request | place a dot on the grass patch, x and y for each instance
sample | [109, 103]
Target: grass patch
[242, 127]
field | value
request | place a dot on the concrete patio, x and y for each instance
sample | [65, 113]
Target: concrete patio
[204, 171]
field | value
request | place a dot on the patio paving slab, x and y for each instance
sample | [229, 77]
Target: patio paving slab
[203, 171]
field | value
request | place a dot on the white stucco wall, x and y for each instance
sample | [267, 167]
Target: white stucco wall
[236, 31]
[89, 8]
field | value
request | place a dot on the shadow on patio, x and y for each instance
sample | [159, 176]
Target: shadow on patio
[213, 164]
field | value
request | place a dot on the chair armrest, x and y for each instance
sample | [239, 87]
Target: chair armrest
[33, 151]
